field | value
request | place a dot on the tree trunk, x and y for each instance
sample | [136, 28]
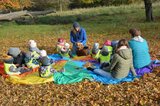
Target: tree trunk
[60, 5]
[19, 14]
[148, 9]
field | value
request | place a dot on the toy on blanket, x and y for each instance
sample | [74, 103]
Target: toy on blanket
[95, 51]
[11, 68]
[82, 50]
[46, 68]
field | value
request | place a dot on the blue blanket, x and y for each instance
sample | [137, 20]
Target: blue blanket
[105, 80]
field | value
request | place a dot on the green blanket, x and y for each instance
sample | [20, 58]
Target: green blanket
[74, 72]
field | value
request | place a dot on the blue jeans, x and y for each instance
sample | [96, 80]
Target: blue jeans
[103, 73]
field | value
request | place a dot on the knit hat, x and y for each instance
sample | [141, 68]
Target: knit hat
[45, 61]
[8, 59]
[14, 51]
[107, 43]
[67, 45]
[104, 51]
[114, 43]
[31, 41]
[95, 48]
[76, 25]
[61, 40]
[33, 44]
[43, 53]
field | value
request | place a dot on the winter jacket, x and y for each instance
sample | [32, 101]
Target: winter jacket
[80, 36]
[121, 64]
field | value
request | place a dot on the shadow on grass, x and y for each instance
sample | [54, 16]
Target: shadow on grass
[53, 20]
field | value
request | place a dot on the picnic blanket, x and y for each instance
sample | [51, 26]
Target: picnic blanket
[74, 71]
[31, 77]
[71, 74]
[140, 72]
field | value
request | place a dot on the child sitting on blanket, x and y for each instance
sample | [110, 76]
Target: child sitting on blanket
[34, 49]
[31, 61]
[121, 63]
[95, 51]
[60, 44]
[43, 54]
[105, 54]
[11, 68]
[18, 56]
[46, 68]
[65, 51]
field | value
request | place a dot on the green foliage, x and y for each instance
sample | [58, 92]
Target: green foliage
[94, 3]
[49, 4]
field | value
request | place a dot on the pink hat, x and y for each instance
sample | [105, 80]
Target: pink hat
[107, 43]
[61, 40]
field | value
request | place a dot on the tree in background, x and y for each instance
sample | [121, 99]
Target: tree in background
[95, 3]
[12, 5]
[148, 9]
[50, 4]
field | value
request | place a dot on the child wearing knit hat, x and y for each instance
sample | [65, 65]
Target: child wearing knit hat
[30, 61]
[34, 49]
[33, 46]
[95, 51]
[11, 68]
[65, 51]
[43, 54]
[60, 44]
[46, 69]
[105, 56]
[63, 48]
[18, 56]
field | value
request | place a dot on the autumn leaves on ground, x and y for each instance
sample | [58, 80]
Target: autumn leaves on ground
[100, 25]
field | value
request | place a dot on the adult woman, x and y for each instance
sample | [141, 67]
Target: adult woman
[77, 35]
[140, 50]
[121, 63]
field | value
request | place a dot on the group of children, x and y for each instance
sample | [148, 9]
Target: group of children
[17, 62]
[116, 58]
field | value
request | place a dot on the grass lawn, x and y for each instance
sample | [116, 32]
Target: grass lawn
[101, 23]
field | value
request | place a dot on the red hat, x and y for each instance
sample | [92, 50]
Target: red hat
[60, 40]
[107, 43]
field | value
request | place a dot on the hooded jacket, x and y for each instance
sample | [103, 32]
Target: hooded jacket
[80, 36]
[121, 64]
